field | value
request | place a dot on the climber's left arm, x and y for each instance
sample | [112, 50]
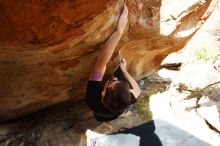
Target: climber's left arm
[109, 47]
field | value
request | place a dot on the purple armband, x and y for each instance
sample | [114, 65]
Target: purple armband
[95, 76]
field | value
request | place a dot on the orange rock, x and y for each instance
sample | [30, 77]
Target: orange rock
[48, 47]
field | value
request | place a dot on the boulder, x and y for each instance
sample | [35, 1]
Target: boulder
[48, 47]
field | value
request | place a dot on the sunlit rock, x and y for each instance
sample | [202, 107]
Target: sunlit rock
[48, 47]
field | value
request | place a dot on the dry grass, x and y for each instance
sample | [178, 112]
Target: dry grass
[142, 107]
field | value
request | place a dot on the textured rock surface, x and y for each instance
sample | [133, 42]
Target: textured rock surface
[48, 47]
[192, 100]
[193, 96]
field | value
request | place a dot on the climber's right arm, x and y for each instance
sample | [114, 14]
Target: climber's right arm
[135, 90]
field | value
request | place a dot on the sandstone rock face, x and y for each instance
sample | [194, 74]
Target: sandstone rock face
[48, 47]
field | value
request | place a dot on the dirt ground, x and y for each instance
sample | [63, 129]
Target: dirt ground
[47, 127]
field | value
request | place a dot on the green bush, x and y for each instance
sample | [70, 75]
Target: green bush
[207, 53]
